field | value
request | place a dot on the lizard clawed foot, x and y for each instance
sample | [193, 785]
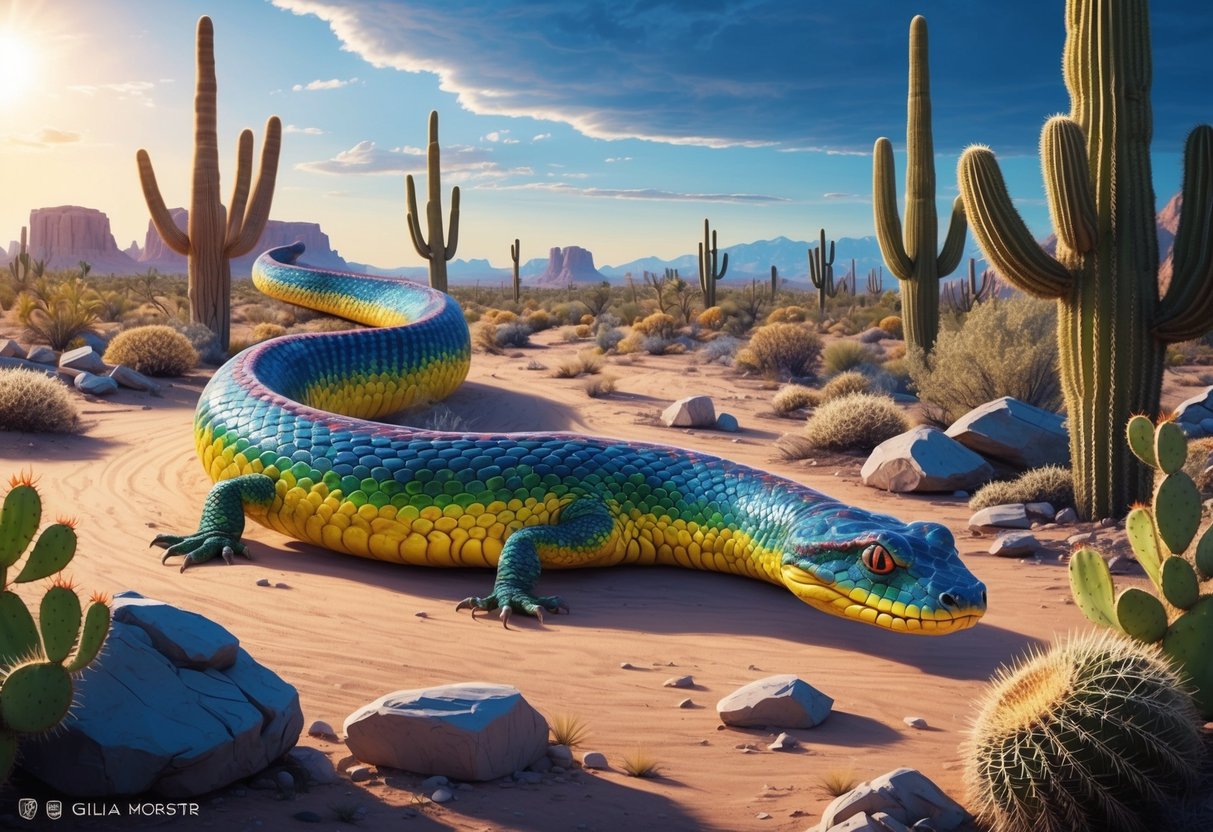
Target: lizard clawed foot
[200, 547]
[510, 601]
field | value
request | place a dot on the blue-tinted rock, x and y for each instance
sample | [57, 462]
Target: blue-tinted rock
[923, 459]
[186, 638]
[95, 385]
[1015, 433]
[83, 358]
[727, 422]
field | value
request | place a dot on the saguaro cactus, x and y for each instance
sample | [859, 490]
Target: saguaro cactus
[1112, 327]
[515, 251]
[434, 250]
[962, 297]
[821, 272]
[911, 256]
[774, 281]
[215, 234]
[876, 281]
[708, 274]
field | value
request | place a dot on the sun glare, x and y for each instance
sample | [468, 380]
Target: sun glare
[18, 67]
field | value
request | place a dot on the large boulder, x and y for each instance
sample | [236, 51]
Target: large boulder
[1192, 413]
[172, 706]
[466, 731]
[782, 701]
[924, 459]
[691, 412]
[1014, 432]
[904, 795]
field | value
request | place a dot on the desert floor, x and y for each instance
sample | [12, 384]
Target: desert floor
[346, 631]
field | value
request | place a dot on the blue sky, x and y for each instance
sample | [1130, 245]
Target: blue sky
[615, 126]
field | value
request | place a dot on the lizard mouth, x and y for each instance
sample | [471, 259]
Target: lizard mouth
[859, 604]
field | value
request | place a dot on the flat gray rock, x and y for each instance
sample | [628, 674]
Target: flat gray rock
[466, 731]
[1013, 432]
[995, 518]
[904, 796]
[923, 459]
[84, 358]
[134, 379]
[42, 354]
[1014, 545]
[11, 349]
[316, 763]
[142, 723]
[782, 701]
[186, 638]
[691, 412]
[93, 384]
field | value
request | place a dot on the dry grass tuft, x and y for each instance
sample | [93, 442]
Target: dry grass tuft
[36, 403]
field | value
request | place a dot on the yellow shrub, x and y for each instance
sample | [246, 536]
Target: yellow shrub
[788, 315]
[711, 318]
[658, 323]
[783, 349]
[155, 350]
[264, 332]
[892, 325]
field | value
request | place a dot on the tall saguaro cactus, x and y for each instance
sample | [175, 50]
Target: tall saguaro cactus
[708, 273]
[215, 233]
[911, 255]
[821, 272]
[515, 252]
[774, 281]
[1112, 327]
[434, 249]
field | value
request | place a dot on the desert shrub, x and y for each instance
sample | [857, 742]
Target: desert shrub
[894, 376]
[788, 315]
[720, 350]
[640, 763]
[261, 313]
[711, 318]
[59, 313]
[783, 350]
[583, 330]
[586, 320]
[893, 352]
[568, 335]
[1048, 484]
[266, 331]
[892, 325]
[844, 384]
[471, 315]
[659, 324]
[156, 350]
[600, 386]
[629, 312]
[204, 342]
[793, 397]
[586, 362]
[860, 421]
[607, 337]
[512, 334]
[539, 320]
[1200, 452]
[568, 730]
[113, 304]
[34, 402]
[660, 345]
[841, 356]
[1006, 348]
[567, 313]
[330, 325]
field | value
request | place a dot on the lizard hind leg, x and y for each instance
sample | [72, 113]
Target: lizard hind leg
[222, 522]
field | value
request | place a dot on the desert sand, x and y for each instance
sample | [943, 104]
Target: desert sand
[346, 631]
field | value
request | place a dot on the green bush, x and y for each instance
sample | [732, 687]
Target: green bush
[1048, 484]
[844, 384]
[780, 350]
[793, 397]
[156, 350]
[858, 422]
[1004, 348]
[34, 402]
[846, 354]
[58, 314]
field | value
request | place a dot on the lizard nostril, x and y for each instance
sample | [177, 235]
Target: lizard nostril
[948, 600]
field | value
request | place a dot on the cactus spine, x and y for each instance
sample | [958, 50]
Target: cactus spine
[216, 233]
[1112, 328]
[37, 659]
[433, 250]
[1160, 535]
[821, 272]
[708, 273]
[515, 252]
[911, 257]
[1097, 733]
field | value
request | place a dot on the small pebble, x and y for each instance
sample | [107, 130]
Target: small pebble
[360, 774]
[915, 722]
[321, 729]
[594, 759]
[626, 666]
[686, 703]
[442, 795]
[531, 778]
[281, 585]
[285, 781]
[560, 755]
[421, 614]
[784, 742]
[679, 682]
[431, 783]
[263, 582]
[762, 816]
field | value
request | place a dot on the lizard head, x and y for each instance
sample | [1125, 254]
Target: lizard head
[875, 569]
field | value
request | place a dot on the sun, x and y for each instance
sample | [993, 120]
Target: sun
[18, 67]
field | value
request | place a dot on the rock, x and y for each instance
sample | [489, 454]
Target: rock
[42, 354]
[872, 335]
[307, 816]
[133, 379]
[782, 701]
[95, 385]
[1040, 511]
[1014, 432]
[594, 759]
[530, 778]
[468, 731]
[1014, 545]
[905, 795]
[568, 266]
[727, 422]
[784, 742]
[1206, 426]
[285, 781]
[316, 763]
[11, 349]
[679, 682]
[1006, 516]
[686, 704]
[264, 582]
[915, 722]
[560, 755]
[83, 358]
[691, 412]
[360, 774]
[1066, 517]
[321, 729]
[442, 795]
[924, 459]
[145, 723]
[69, 234]
[1194, 410]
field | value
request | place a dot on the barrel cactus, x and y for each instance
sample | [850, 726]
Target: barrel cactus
[1160, 535]
[37, 659]
[1097, 733]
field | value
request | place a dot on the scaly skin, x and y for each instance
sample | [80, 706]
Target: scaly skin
[288, 416]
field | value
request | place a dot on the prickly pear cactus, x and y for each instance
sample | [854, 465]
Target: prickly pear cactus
[1161, 535]
[38, 658]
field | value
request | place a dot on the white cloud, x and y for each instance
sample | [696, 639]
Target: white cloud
[613, 159]
[366, 158]
[501, 136]
[331, 84]
[306, 131]
[137, 91]
[540, 137]
[643, 194]
[45, 138]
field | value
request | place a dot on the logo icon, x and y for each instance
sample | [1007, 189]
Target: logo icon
[27, 808]
[54, 809]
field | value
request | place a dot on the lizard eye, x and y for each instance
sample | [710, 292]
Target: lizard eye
[878, 560]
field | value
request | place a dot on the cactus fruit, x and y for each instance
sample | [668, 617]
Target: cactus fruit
[821, 272]
[1160, 535]
[36, 658]
[708, 273]
[435, 250]
[1096, 733]
[911, 255]
[216, 233]
[1113, 327]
